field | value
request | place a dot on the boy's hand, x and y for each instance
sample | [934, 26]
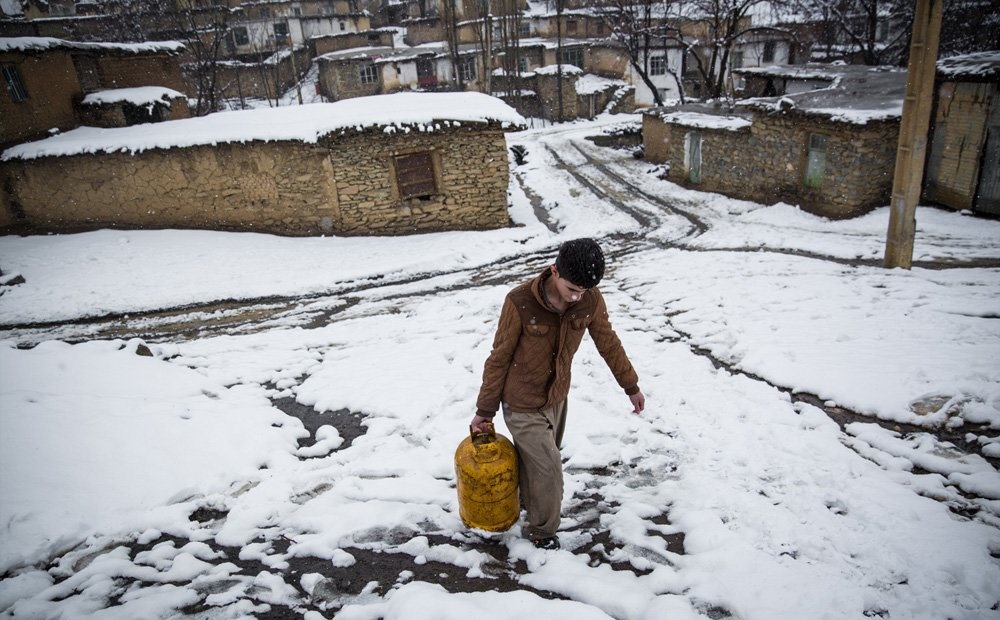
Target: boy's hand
[479, 423]
[638, 402]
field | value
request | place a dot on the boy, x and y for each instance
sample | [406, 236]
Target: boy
[528, 371]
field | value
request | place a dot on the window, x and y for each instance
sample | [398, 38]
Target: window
[657, 65]
[265, 12]
[297, 11]
[369, 74]
[769, 47]
[573, 56]
[15, 86]
[571, 26]
[524, 29]
[738, 60]
[815, 161]
[522, 64]
[281, 33]
[240, 36]
[415, 175]
[467, 68]
[343, 25]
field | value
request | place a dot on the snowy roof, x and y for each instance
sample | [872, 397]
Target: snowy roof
[859, 95]
[425, 112]
[978, 64]
[705, 120]
[29, 44]
[590, 83]
[381, 53]
[11, 8]
[812, 71]
[141, 96]
[554, 69]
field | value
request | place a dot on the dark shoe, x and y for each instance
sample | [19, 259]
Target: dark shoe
[546, 543]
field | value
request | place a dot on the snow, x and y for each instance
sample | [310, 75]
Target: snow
[306, 123]
[139, 96]
[978, 64]
[105, 452]
[30, 44]
[706, 121]
[554, 70]
[589, 84]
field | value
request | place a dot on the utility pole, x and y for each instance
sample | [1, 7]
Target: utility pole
[910, 154]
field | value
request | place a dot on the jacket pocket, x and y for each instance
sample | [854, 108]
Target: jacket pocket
[533, 329]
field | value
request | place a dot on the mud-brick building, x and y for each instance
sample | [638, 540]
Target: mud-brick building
[46, 79]
[963, 163]
[832, 151]
[391, 164]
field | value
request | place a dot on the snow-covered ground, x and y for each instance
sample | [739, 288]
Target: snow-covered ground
[733, 495]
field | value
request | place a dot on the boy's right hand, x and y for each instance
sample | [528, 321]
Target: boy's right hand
[478, 424]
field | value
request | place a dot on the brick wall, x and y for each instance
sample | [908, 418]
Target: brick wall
[766, 162]
[343, 185]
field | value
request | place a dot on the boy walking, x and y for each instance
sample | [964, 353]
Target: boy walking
[528, 372]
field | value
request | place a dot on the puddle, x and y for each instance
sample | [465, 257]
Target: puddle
[348, 423]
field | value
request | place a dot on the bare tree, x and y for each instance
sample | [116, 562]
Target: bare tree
[641, 27]
[709, 30]
[874, 32]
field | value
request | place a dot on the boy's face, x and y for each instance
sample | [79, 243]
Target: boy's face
[569, 293]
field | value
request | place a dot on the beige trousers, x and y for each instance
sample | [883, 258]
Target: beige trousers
[537, 437]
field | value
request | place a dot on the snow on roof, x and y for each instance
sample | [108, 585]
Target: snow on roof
[859, 95]
[28, 44]
[703, 120]
[381, 54]
[978, 64]
[141, 96]
[589, 84]
[554, 69]
[812, 71]
[11, 8]
[425, 112]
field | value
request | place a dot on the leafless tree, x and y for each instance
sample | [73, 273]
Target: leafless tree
[873, 32]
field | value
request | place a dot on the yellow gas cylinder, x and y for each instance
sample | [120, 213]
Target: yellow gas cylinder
[486, 475]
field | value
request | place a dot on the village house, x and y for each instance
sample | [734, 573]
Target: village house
[47, 81]
[832, 151]
[393, 164]
[377, 70]
[963, 165]
[268, 78]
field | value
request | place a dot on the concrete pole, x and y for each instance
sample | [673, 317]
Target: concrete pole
[910, 153]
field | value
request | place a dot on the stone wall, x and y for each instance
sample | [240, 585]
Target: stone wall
[126, 70]
[341, 79]
[343, 185]
[766, 162]
[547, 86]
[324, 44]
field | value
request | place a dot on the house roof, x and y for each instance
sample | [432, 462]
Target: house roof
[31, 44]
[856, 95]
[403, 112]
[977, 65]
[140, 96]
[391, 54]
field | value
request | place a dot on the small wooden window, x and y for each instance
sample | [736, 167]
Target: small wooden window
[15, 86]
[241, 36]
[415, 175]
[657, 65]
[369, 74]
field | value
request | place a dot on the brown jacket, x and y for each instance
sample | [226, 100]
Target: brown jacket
[529, 367]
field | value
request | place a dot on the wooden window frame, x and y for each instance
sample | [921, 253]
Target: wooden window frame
[415, 175]
[368, 73]
[658, 65]
[16, 89]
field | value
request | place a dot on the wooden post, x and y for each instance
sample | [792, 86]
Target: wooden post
[909, 175]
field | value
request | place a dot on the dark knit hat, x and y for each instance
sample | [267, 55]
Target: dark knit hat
[581, 261]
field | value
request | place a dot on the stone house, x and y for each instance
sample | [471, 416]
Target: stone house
[379, 70]
[393, 164]
[46, 79]
[267, 78]
[963, 163]
[326, 43]
[831, 151]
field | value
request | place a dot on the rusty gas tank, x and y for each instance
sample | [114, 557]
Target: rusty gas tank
[486, 477]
